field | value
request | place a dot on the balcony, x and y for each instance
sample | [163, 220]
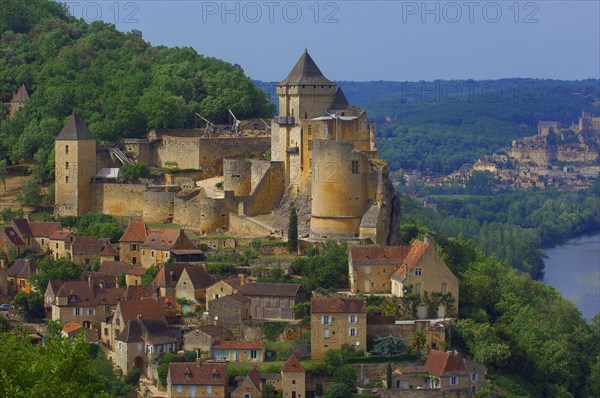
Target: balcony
[285, 120]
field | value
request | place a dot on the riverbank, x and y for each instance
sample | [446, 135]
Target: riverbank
[573, 269]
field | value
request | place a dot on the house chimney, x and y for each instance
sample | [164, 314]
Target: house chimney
[91, 280]
[428, 239]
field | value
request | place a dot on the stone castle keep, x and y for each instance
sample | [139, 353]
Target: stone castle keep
[322, 154]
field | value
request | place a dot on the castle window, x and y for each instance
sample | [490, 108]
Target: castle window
[67, 179]
[66, 165]
[305, 115]
[355, 167]
[352, 318]
[444, 288]
[66, 149]
[418, 271]
[133, 260]
[152, 253]
[326, 319]
[352, 332]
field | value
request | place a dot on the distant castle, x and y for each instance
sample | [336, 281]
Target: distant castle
[323, 155]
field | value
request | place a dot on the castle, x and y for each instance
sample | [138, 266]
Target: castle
[322, 155]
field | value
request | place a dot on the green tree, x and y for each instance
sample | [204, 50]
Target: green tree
[388, 375]
[135, 171]
[293, 231]
[121, 280]
[30, 304]
[388, 345]
[149, 274]
[345, 375]
[337, 390]
[3, 172]
[31, 195]
[50, 269]
[270, 392]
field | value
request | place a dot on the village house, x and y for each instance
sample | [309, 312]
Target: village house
[224, 287]
[424, 270]
[134, 275]
[140, 339]
[18, 275]
[274, 301]
[293, 379]
[238, 351]
[229, 310]
[40, 233]
[128, 310]
[191, 287]
[83, 302]
[370, 267]
[86, 249]
[60, 243]
[197, 380]
[443, 372]
[434, 330]
[250, 387]
[113, 268]
[131, 242]
[201, 339]
[11, 243]
[162, 245]
[109, 253]
[17, 101]
[167, 277]
[337, 321]
[72, 329]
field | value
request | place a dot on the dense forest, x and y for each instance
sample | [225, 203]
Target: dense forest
[120, 84]
[514, 226]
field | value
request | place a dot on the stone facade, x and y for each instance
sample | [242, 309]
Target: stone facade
[230, 310]
[370, 267]
[427, 273]
[335, 322]
[332, 157]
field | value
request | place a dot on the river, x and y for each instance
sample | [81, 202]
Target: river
[574, 270]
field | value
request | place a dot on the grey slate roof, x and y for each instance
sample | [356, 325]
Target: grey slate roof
[340, 101]
[306, 72]
[75, 129]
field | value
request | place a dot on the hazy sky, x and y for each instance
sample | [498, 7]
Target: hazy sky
[375, 40]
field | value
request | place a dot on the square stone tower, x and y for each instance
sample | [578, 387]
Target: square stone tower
[293, 379]
[75, 166]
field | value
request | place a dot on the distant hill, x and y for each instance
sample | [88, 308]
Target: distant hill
[437, 126]
[119, 83]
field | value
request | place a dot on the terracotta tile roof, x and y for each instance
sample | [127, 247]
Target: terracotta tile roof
[270, 289]
[147, 308]
[237, 297]
[236, 282]
[22, 227]
[167, 302]
[410, 369]
[338, 305]
[239, 345]
[441, 363]
[71, 327]
[86, 246]
[12, 236]
[134, 292]
[139, 271]
[254, 377]
[199, 277]
[292, 365]
[60, 235]
[194, 373]
[136, 231]
[109, 251]
[22, 268]
[113, 268]
[75, 129]
[378, 254]
[168, 239]
[40, 229]
[417, 249]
